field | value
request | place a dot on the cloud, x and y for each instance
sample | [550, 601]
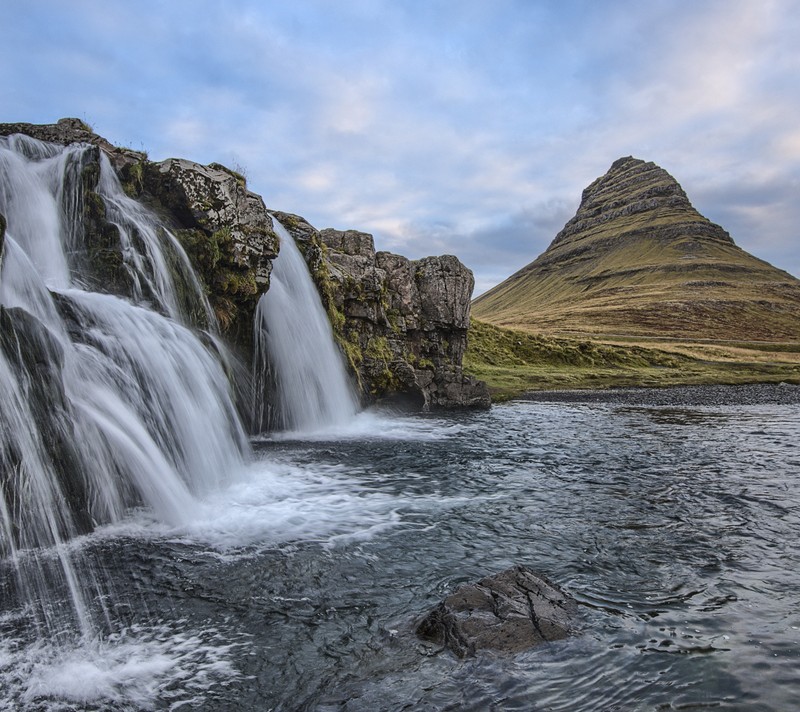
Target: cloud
[462, 127]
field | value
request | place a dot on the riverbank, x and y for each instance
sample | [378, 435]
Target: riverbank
[514, 363]
[678, 396]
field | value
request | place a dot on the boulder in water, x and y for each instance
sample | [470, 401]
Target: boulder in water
[508, 613]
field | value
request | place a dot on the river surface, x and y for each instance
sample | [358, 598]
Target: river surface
[673, 521]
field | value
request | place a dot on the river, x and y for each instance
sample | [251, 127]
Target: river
[672, 520]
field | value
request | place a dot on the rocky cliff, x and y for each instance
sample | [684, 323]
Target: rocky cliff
[638, 259]
[402, 324]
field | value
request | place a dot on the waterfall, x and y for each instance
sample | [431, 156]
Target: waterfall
[108, 402]
[296, 347]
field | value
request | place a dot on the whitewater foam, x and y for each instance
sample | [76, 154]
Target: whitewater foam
[374, 424]
[137, 669]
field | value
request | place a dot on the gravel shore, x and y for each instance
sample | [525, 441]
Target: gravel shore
[762, 393]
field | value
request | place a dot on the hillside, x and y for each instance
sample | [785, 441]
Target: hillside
[638, 260]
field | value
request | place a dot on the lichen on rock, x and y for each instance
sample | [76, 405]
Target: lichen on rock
[226, 231]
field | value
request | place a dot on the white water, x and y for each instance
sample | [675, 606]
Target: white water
[312, 389]
[129, 670]
[142, 408]
[138, 403]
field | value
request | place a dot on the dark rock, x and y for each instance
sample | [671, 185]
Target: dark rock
[67, 131]
[402, 323]
[507, 613]
[2, 237]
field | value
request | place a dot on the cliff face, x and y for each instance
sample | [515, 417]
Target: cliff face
[402, 324]
[638, 259]
[225, 230]
[633, 198]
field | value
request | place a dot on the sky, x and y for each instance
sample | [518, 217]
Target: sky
[466, 127]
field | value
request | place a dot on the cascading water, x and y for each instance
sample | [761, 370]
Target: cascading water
[295, 345]
[108, 403]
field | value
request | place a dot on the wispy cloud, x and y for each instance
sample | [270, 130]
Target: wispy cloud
[462, 127]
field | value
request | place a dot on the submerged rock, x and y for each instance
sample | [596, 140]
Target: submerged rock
[508, 613]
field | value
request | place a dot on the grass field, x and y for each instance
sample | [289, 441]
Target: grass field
[513, 362]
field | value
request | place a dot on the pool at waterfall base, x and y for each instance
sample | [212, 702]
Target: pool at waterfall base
[297, 585]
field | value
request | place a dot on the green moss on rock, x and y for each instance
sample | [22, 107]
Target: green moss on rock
[230, 287]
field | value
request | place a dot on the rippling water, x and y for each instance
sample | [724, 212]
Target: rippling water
[674, 525]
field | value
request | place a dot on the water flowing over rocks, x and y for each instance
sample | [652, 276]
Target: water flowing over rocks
[36, 359]
[402, 323]
[507, 613]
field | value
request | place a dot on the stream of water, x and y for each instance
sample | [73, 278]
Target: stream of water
[297, 587]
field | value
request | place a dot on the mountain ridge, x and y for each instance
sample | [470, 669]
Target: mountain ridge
[638, 259]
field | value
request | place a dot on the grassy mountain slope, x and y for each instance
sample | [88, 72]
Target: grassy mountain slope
[638, 260]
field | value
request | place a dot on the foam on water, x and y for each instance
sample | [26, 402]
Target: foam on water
[277, 503]
[374, 425]
[135, 669]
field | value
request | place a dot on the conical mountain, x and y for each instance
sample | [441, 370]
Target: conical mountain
[637, 259]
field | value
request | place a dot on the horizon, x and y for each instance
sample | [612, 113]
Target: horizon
[440, 128]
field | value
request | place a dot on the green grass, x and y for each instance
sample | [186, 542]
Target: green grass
[513, 362]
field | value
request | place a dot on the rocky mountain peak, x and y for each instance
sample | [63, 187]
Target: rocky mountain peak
[638, 259]
[631, 195]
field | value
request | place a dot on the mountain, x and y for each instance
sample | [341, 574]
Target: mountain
[637, 259]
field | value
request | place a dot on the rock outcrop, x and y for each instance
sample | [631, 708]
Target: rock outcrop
[402, 323]
[506, 613]
[638, 259]
[67, 131]
[224, 228]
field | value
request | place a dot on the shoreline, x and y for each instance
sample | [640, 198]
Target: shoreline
[696, 395]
